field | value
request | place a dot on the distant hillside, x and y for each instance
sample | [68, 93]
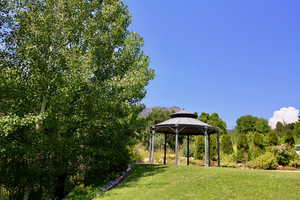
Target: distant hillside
[146, 111]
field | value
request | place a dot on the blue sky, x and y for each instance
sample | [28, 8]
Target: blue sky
[230, 57]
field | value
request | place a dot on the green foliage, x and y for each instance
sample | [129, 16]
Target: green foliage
[284, 155]
[227, 160]
[226, 144]
[258, 140]
[72, 80]
[191, 148]
[296, 163]
[156, 116]
[248, 123]
[289, 138]
[199, 147]
[213, 147]
[273, 138]
[214, 120]
[256, 145]
[296, 130]
[265, 161]
[242, 149]
[279, 127]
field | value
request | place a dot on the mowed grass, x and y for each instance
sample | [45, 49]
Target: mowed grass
[149, 182]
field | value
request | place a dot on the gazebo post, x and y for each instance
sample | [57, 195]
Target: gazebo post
[176, 145]
[208, 136]
[165, 149]
[218, 147]
[207, 147]
[152, 147]
[184, 123]
[188, 150]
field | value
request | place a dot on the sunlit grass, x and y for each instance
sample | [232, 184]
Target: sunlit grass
[148, 182]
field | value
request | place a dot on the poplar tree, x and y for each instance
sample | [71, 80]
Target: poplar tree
[72, 80]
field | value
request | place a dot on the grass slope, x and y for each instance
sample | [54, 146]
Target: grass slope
[148, 182]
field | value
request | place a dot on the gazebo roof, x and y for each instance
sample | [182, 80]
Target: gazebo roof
[187, 124]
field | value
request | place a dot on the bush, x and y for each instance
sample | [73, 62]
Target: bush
[273, 138]
[255, 152]
[257, 145]
[241, 156]
[289, 139]
[199, 147]
[226, 144]
[242, 149]
[284, 155]
[191, 148]
[227, 160]
[265, 161]
[296, 163]
[258, 140]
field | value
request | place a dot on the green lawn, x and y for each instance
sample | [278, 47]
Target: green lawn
[158, 182]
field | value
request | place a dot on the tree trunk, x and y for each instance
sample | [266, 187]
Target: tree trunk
[60, 186]
[26, 193]
[43, 108]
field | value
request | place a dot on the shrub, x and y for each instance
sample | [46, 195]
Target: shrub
[265, 161]
[273, 138]
[241, 156]
[191, 148]
[284, 155]
[226, 144]
[242, 149]
[296, 163]
[213, 147]
[289, 139]
[199, 147]
[257, 145]
[227, 160]
[255, 152]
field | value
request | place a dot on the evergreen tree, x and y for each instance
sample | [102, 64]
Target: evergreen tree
[289, 138]
[226, 144]
[242, 148]
[273, 138]
[199, 147]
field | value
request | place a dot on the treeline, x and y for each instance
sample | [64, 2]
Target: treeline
[257, 146]
[251, 143]
[72, 79]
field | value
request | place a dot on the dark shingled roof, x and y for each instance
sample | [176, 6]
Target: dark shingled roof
[186, 122]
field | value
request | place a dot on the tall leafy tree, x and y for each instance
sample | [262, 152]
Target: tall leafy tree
[248, 123]
[214, 120]
[74, 76]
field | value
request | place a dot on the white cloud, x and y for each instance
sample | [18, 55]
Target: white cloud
[285, 115]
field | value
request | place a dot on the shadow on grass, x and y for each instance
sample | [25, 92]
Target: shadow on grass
[138, 171]
[141, 171]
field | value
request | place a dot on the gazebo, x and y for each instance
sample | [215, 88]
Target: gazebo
[184, 123]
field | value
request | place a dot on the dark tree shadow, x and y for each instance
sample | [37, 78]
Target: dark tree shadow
[140, 171]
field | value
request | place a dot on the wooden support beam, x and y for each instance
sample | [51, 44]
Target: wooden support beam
[188, 150]
[208, 136]
[165, 149]
[176, 146]
[218, 148]
[152, 147]
[207, 148]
